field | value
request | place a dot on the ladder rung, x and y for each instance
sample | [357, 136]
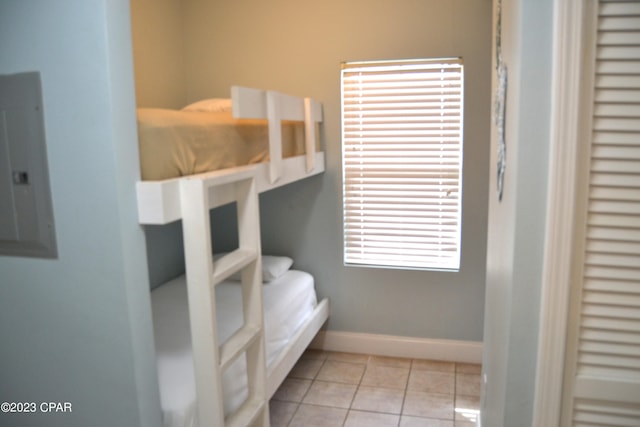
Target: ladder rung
[246, 414]
[238, 344]
[232, 263]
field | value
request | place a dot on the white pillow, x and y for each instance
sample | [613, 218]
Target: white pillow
[213, 105]
[272, 267]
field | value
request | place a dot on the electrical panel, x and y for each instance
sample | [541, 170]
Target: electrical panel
[26, 212]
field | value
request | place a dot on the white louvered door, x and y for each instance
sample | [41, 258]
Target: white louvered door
[602, 371]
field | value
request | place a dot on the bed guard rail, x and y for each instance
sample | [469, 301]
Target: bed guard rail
[159, 201]
[275, 107]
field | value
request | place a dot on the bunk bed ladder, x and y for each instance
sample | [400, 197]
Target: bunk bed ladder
[212, 358]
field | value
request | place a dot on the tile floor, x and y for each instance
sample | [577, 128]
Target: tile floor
[327, 389]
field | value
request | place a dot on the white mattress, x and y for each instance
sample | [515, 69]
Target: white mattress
[288, 301]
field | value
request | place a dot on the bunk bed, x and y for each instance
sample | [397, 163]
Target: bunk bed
[245, 331]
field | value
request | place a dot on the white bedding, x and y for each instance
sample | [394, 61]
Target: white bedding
[288, 301]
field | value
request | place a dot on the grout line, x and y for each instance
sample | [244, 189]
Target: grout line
[455, 391]
[299, 404]
[355, 393]
[406, 390]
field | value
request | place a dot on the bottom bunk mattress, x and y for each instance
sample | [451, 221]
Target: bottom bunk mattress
[288, 301]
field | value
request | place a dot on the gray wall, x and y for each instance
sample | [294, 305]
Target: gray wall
[517, 224]
[297, 48]
[158, 40]
[78, 328]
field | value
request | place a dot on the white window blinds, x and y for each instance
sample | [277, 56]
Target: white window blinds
[402, 163]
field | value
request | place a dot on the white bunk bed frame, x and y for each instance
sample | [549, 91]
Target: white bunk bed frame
[190, 198]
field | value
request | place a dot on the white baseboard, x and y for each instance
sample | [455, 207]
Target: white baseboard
[395, 346]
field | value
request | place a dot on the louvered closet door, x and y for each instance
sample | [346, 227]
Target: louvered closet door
[603, 365]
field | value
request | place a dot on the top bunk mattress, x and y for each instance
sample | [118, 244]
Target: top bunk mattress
[176, 143]
[288, 301]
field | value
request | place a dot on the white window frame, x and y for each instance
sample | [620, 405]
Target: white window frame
[402, 128]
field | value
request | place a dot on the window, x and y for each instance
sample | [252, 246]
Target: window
[402, 163]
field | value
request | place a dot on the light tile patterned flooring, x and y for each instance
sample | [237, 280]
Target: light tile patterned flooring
[327, 389]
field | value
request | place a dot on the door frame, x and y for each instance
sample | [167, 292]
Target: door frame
[569, 25]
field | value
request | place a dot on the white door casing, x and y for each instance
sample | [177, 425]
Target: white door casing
[589, 353]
